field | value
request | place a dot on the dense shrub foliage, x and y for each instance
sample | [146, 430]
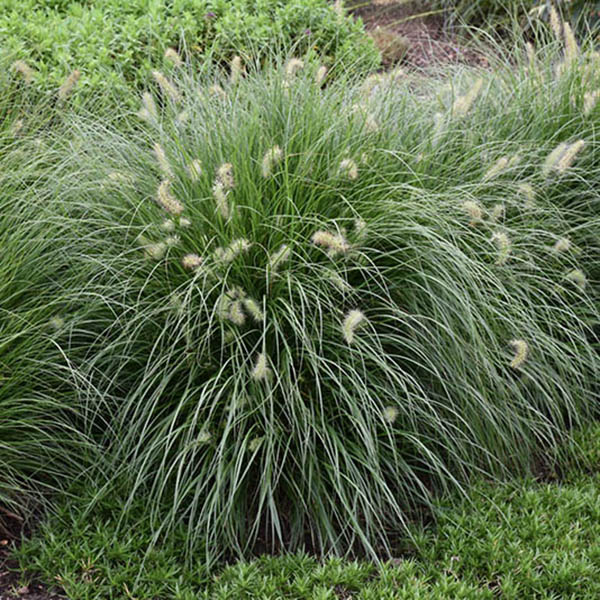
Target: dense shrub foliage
[114, 44]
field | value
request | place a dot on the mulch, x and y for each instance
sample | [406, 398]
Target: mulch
[11, 581]
[430, 43]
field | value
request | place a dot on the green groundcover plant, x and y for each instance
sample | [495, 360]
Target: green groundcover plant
[306, 309]
[107, 46]
[519, 540]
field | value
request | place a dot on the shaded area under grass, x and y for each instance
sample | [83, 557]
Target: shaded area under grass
[532, 539]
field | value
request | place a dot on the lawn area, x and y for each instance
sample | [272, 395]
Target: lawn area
[278, 323]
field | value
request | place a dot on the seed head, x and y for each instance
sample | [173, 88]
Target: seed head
[348, 168]
[225, 175]
[167, 200]
[28, 74]
[261, 370]
[335, 243]
[353, 320]
[271, 159]
[577, 277]
[320, 76]
[155, 251]
[237, 70]
[503, 244]
[553, 158]
[183, 222]
[521, 348]
[253, 309]
[500, 165]
[555, 23]
[590, 99]
[56, 322]
[191, 261]
[526, 190]
[474, 210]
[498, 212]
[218, 92]
[279, 258]
[172, 56]
[195, 170]
[163, 161]
[67, 87]
[236, 313]
[462, 105]
[562, 245]
[568, 157]
[167, 87]
[571, 47]
[234, 249]
[220, 193]
[390, 414]
[292, 67]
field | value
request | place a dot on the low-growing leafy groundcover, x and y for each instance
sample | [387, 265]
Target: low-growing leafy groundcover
[109, 46]
[530, 539]
[283, 315]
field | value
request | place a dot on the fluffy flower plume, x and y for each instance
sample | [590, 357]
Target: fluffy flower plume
[155, 251]
[562, 245]
[166, 199]
[148, 112]
[553, 158]
[220, 194]
[28, 74]
[191, 261]
[578, 278]
[231, 252]
[172, 56]
[555, 23]
[225, 175]
[503, 244]
[168, 226]
[253, 308]
[390, 414]
[320, 75]
[590, 99]
[568, 157]
[67, 87]
[474, 210]
[462, 105]
[335, 243]
[354, 319]
[292, 67]
[500, 165]
[167, 87]
[571, 47]
[348, 168]
[218, 92]
[236, 70]
[163, 161]
[194, 170]
[271, 159]
[526, 191]
[261, 370]
[497, 213]
[521, 348]
[279, 258]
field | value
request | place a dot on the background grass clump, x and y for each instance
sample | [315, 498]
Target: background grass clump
[115, 45]
[306, 324]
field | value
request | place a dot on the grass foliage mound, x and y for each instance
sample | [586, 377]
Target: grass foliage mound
[287, 313]
[309, 308]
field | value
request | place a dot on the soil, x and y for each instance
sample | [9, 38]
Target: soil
[430, 44]
[11, 584]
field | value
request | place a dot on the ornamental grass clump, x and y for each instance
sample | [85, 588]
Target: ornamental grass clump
[329, 343]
